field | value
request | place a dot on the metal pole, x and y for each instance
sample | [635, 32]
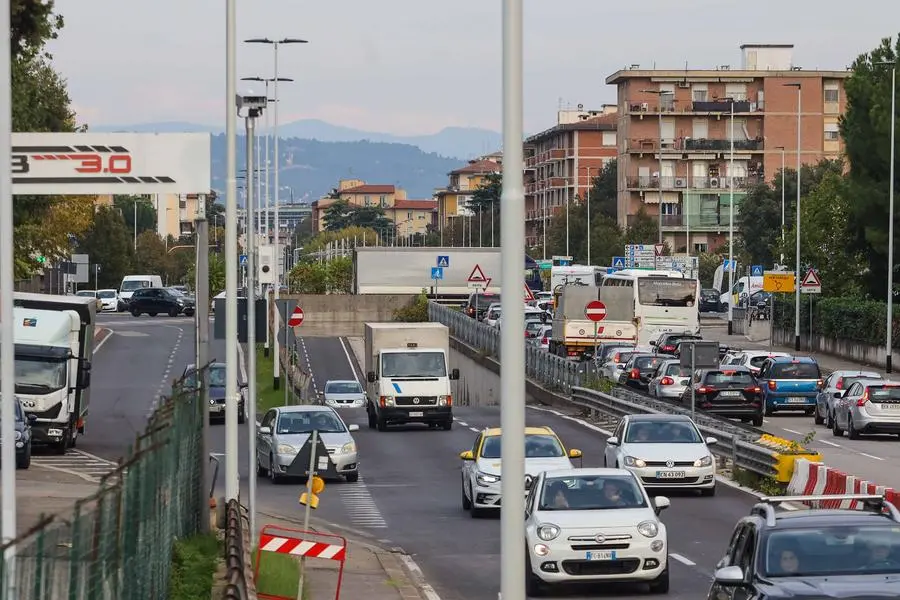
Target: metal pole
[797, 266]
[544, 219]
[512, 342]
[251, 323]
[277, 230]
[314, 441]
[659, 218]
[135, 223]
[589, 227]
[693, 389]
[7, 345]
[731, 299]
[268, 204]
[890, 281]
[284, 321]
[258, 173]
[783, 191]
[201, 287]
[232, 477]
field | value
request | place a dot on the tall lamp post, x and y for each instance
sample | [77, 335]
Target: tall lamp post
[662, 94]
[797, 265]
[277, 228]
[731, 222]
[890, 274]
[588, 207]
[783, 183]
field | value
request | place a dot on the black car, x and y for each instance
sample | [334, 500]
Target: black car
[762, 302]
[709, 300]
[216, 382]
[154, 301]
[728, 392]
[22, 426]
[667, 342]
[814, 554]
[639, 370]
[478, 304]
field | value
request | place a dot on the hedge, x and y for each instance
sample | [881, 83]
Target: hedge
[842, 318]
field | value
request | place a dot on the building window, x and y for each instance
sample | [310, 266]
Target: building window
[701, 129]
[701, 248]
[409, 216]
[832, 134]
[736, 91]
[383, 201]
[368, 200]
[699, 92]
[609, 138]
[832, 92]
[183, 204]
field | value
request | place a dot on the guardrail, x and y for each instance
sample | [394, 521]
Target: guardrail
[239, 582]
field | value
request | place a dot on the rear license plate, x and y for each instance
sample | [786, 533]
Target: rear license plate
[670, 474]
[54, 432]
[894, 406]
[730, 393]
[796, 400]
[417, 413]
[600, 555]
[685, 381]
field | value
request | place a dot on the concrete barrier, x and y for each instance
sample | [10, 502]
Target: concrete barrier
[333, 315]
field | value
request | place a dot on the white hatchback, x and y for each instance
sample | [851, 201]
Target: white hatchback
[593, 526]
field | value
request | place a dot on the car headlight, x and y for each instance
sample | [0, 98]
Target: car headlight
[486, 478]
[388, 400]
[443, 400]
[286, 449]
[348, 448]
[548, 532]
[703, 462]
[648, 529]
[179, 301]
[631, 461]
[18, 435]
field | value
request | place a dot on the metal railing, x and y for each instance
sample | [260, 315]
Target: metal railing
[239, 584]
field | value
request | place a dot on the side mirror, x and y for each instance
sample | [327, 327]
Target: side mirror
[265, 430]
[661, 503]
[467, 455]
[454, 374]
[652, 342]
[711, 440]
[31, 418]
[839, 394]
[612, 441]
[370, 377]
[729, 576]
[575, 453]
[353, 427]
[86, 378]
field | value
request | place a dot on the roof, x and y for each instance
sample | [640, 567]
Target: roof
[802, 359]
[822, 517]
[717, 75]
[492, 431]
[478, 166]
[304, 408]
[658, 417]
[369, 189]
[413, 205]
[588, 472]
[599, 123]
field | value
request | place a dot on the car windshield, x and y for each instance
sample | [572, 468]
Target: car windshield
[723, 378]
[175, 292]
[647, 363]
[835, 550]
[881, 393]
[343, 387]
[608, 351]
[676, 370]
[662, 432]
[666, 291]
[533, 325]
[795, 370]
[709, 293]
[322, 421]
[107, 293]
[87, 294]
[217, 376]
[483, 301]
[757, 361]
[622, 357]
[536, 446]
[40, 375]
[591, 492]
[135, 284]
[413, 364]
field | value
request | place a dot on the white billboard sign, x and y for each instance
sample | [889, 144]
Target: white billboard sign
[110, 163]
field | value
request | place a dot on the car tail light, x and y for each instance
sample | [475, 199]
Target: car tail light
[863, 399]
[753, 389]
[616, 358]
[820, 385]
[545, 339]
[705, 389]
[635, 374]
[667, 348]
[840, 384]
[771, 385]
[666, 381]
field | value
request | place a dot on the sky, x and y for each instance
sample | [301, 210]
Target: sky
[412, 67]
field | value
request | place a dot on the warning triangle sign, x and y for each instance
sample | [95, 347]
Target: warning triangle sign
[811, 280]
[477, 275]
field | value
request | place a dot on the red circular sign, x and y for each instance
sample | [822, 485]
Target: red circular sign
[296, 319]
[595, 310]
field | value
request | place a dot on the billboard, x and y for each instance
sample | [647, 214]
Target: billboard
[110, 163]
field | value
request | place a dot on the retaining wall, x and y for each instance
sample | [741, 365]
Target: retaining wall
[333, 315]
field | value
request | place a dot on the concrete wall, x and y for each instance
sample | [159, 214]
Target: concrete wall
[867, 354]
[333, 315]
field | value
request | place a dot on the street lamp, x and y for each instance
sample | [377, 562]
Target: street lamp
[797, 265]
[783, 183]
[890, 281]
[731, 222]
[275, 44]
[661, 94]
[588, 207]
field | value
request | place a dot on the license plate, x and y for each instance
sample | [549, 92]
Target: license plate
[670, 474]
[417, 413]
[796, 400]
[730, 393]
[891, 406]
[600, 555]
[685, 381]
[54, 432]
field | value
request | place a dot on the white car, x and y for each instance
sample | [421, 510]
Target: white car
[753, 359]
[663, 451]
[109, 300]
[344, 394]
[492, 314]
[481, 465]
[670, 380]
[593, 526]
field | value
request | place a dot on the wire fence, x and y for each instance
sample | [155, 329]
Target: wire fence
[117, 543]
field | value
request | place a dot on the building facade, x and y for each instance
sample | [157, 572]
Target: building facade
[455, 200]
[409, 217]
[676, 128]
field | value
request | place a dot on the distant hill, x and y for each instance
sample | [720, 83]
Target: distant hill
[454, 142]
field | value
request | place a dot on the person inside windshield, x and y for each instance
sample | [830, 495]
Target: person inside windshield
[788, 561]
[880, 556]
[613, 495]
[641, 434]
[557, 494]
[324, 422]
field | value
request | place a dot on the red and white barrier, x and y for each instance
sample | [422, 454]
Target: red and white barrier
[301, 544]
[298, 547]
[817, 479]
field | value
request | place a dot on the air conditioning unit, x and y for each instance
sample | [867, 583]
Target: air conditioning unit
[645, 106]
[684, 85]
[713, 182]
[680, 182]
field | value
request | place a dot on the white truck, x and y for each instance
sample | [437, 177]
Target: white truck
[54, 347]
[407, 374]
[572, 335]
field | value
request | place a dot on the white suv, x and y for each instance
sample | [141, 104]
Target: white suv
[593, 526]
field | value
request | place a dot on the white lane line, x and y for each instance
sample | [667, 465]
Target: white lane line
[312, 375]
[109, 335]
[475, 429]
[241, 363]
[682, 559]
[829, 443]
[870, 456]
[795, 432]
[349, 359]
[463, 423]
[417, 574]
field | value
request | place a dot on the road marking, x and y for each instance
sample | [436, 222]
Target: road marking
[76, 462]
[792, 431]
[682, 559]
[360, 505]
[103, 341]
[475, 429]
[417, 574]
[349, 359]
[870, 456]
[463, 423]
[312, 375]
[829, 443]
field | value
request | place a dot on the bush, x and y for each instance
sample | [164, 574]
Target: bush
[851, 319]
[193, 566]
[414, 312]
[334, 276]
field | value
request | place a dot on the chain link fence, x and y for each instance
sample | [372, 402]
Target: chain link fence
[117, 543]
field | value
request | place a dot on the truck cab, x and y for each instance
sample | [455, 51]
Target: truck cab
[407, 375]
[790, 383]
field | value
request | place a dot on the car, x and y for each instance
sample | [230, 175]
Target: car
[492, 315]
[542, 338]
[639, 369]
[709, 300]
[760, 303]
[612, 368]
[91, 294]
[22, 427]
[190, 303]
[834, 387]
[663, 451]
[665, 343]
[593, 526]
[347, 393]
[481, 466]
[478, 303]
[869, 406]
[532, 328]
[728, 392]
[670, 380]
[790, 383]
[754, 359]
[109, 300]
[217, 376]
[813, 553]
[154, 301]
[284, 430]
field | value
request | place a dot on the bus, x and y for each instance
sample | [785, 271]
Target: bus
[643, 304]
[533, 274]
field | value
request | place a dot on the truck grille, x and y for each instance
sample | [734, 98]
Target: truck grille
[416, 400]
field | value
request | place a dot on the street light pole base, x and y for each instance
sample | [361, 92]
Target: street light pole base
[266, 352]
[730, 327]
[887, 364]
[276, 383]
[797, 343]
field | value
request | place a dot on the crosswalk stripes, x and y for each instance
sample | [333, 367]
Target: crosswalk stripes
[360, 506]
[75, 462]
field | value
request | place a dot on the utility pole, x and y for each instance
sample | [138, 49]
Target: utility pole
[201, 287]
[252, 275]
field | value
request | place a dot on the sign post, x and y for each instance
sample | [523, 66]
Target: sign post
[811, 285]
[296, 320]
[437, 273]
[596, 312]
[479, 283]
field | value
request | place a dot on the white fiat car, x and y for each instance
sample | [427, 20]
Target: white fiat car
[593, 526]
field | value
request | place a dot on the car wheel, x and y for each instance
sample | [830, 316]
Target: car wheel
[135, 312]
[261, 471]
[352, 477]
[836, 431]
[24, 461]
[708, 492]
[173, 312]
[273, 476]
[660, 585]
[829, 420]
[466, 503]
[534, 587]
[852, 432]
[152, 314]
[818, 419]
[758, 421]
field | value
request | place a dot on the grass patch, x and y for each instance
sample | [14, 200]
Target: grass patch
[279, 575]
[194, 561]
[266, 396]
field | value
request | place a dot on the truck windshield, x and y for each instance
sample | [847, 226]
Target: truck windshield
[413, 364]
[130, 286]
[43, 376]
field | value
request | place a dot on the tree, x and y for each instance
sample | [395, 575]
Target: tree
[604, 191]
[759, 224]
[643, 229]
[485, 202]
[146, 212]
[341, 215]
[51, 231]
[355, 235]
[309, 278]
[151, 257]
[216, 274]
[109, 245]
[32, 23]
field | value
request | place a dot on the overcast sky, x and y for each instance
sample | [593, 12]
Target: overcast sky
[416, 66]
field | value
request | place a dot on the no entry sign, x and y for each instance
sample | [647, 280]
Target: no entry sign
[595, 311]
[296, 319]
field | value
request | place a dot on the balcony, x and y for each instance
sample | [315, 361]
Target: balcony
[649, 182]
[538, 215]
[556, 183]
[692, 107]
[681, 145]
[704, 221]
[531, 163]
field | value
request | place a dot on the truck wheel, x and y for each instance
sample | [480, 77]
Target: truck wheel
[447, 425]
[372, 421]
[62, 445]
[382, 424]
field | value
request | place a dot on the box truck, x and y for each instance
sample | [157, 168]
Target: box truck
[408, 375]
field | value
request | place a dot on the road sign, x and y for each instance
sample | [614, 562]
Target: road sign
[640, 256]
[296, 319]
[811, 283]
[729, 265]
[756, 271]
[529, 295]
[595, 311]
[778, 282]
[689, 265]
[610, 270]
[243, 260]
[618, 262]
[443, 261]
[658, 249]
[437, 273]
[477, 279]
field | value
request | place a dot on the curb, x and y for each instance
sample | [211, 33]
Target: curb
[101, 334]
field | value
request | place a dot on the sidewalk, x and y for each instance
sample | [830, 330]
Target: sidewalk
[43, 492]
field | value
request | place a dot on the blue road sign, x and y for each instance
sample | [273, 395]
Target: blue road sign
[618, 262]
[243, 259]
[610, 270]
[728, 265]
[756, 271]
[437, 273]
[443, 261]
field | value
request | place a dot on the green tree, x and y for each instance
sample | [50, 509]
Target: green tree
[309, 278]
[216, 274]
[341, 215]
[151, 257]
[146, 212]
[32, 24]
[707, 263]
[109, 245]
[758, 224]
[485, 202]
[604, 191]
[643, 229]
[339, 275]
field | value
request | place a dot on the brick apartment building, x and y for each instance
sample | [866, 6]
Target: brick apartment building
[674, 135]
[561, 162]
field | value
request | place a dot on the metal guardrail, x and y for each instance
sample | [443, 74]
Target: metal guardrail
[239, 584]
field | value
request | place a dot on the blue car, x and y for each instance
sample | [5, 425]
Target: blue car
[790, 383]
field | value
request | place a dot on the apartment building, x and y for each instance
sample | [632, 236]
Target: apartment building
[410, 217]
[676, 127]
[455, 199]
[561, 162]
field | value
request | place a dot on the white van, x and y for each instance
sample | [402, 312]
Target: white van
[130, 283]
[743, 287]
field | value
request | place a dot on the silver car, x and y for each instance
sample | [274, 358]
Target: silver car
[835, 386]
[869, 406]
[344, 394]
[670, 380]
[284, 430]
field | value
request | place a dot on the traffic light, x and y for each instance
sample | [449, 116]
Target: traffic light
[41, 259]
[317, 485]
